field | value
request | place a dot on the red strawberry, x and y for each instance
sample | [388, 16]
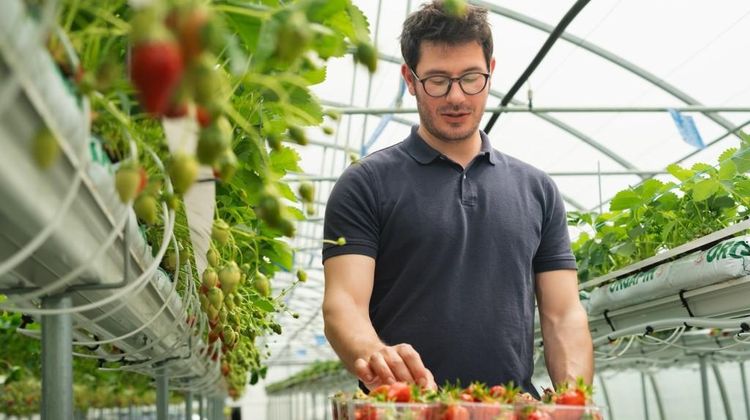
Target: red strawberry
[497, 391]
[203, 117]
[366, 412]
[572, 397]
[455, 412]
[399, 392]
[381, 390]
[156, 68]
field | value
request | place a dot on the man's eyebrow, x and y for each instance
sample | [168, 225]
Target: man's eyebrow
[445, 73]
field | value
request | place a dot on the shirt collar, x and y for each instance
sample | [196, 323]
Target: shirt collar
[424, 153]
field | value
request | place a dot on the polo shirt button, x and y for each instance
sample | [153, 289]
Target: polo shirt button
[464, 176]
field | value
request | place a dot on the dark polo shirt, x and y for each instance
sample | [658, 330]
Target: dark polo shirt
[456, 251]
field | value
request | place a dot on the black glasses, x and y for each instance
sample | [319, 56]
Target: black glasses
[437, 86]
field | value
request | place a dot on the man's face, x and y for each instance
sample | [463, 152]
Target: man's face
[455, 116]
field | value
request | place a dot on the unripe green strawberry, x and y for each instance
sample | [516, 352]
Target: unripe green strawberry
[223, 312]
[220, 232]
[297, 134]
[228, 303]
[293, 37]
[45, 148]
[286, 227]
[211, 311]
[275, 327]
[170, 261]
[229, 276]
[210, 279]
[215, 297]
[129, 181]
[146, 208]
[183, 171]
[227, 165]
[269, 209]
[172, 200]
[274, 141]
[367, 55]
[307, 192]
[328, 130]
[214, 141]
[203, 299]
[455, 7]
[212, 257]
[261, 284]
[310, 209]
[301, 275]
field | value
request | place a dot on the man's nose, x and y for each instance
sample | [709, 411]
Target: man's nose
[455, 94]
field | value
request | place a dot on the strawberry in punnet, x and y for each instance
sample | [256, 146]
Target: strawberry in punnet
[399, 392]
[455, 412]
[183, 171]
[156, 64]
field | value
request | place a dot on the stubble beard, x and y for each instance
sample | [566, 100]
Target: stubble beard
[450, 135]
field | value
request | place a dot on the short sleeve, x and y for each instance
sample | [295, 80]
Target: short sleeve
[351, 213]
[554, 252]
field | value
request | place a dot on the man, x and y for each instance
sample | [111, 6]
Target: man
[447, 240]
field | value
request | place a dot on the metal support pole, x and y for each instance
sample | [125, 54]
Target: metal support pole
[57, 360]
[744, 390]
[603, 386]
[200, 407]
[722, 392]
[657, 395]
[645, 396]
[131, 412]
[218, 408]
[189, 405]
[162, 394]
[704, 388]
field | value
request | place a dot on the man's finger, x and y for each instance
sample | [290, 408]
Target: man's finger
[398, 365]
[364, 373]
[380, 367]
[413, 362]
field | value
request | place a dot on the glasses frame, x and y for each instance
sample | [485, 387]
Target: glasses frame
[450, 83]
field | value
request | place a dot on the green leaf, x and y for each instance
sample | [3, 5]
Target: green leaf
[727, 170]
[296, 213]
[727, 154]
[624, 200]
[263, 304]
[679, 172]
[314, 75]
[320, 10]
[742, 160]
[705, 189]
[281, 254]
[649, 188]
[248, 28]
[329, 44]
[668, 201]
[359, 23]
[703, 167]
[743, 187]
[744, 138]
[625, 249]
[284, 159]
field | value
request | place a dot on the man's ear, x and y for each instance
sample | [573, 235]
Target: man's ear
[409, 79]
[492, 69]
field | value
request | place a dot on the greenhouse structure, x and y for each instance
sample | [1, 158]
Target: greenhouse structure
[165, 169]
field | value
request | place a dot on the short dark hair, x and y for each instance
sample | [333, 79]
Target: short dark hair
[432, 23]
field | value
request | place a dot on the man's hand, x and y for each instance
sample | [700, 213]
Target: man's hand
[391, 364]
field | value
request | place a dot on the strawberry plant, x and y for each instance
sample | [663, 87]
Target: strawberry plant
[655, 216]
[242, 72]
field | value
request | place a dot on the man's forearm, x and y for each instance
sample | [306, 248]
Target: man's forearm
[350, 334]
[568, 348]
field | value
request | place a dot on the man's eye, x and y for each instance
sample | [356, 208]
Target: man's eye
[470, 78]
[438, 81]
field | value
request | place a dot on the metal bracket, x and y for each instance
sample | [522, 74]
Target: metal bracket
[609, 321]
